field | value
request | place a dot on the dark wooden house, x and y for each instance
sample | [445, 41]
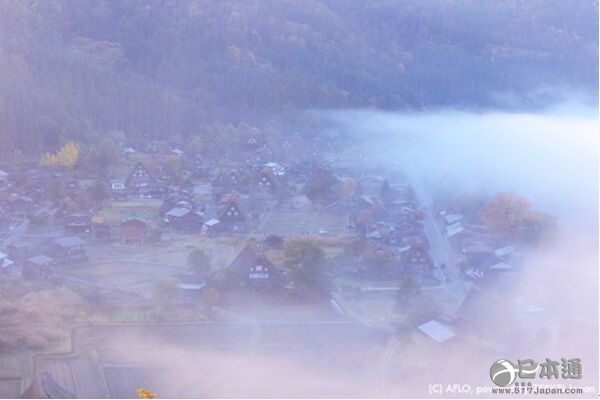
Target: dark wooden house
[268, 181]
[185, 220]
[67, 249]
[38, 267]
[417, 256]
[232, 215]
[139, 177]
[227, 178]
[118, 188]
[253, 269]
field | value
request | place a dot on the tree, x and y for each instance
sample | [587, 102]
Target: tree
[357, 246]
[171, 165]
[144, 393]
[108, 152]
[210, 296]
[535, 227]
[412, 306]
[274, 241]
[511, 215]
[321, 185]
[305, 260]
[98, 192]
[386, 191]
[304, 253]
[195, 146]
[504, 211]
[166, 290]
[48, 160]
[199, 262]
[348, 188]
[381, 260]
[66, 157]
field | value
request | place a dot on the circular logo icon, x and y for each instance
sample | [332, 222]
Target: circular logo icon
[503, 373]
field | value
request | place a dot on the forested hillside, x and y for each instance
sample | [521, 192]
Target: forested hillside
[79, 69]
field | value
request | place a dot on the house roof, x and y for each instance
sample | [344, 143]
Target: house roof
[437, 331]
[7, 263]
[191, 286]
[250, 257]
[177, 212]
[228, 202]
[454, 230]
[404, 249]
[69, 241]
[225, 177]
[504, 251]
[212, 222]
[501, 266]
[269, 174]
[41, 260]
[453, 218]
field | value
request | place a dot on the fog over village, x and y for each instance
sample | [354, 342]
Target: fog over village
[298, 199]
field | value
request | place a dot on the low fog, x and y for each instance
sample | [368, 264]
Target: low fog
[550, 156]
[547, 157]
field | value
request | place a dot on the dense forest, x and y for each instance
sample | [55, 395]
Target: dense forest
[78, 69]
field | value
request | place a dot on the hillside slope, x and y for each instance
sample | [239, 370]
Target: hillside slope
[75, 68]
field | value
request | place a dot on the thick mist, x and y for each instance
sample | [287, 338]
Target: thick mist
[549, 157]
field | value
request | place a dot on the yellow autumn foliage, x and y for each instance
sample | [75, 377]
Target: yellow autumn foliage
[66, 157]
[144, 393]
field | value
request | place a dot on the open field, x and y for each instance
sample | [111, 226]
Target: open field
[135, 267]
[293, 222]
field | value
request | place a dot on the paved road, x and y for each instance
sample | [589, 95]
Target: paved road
[439, 246]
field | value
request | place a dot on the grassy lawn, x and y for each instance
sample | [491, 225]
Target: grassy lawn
[294, 222]
[145, 209]
[136, 267]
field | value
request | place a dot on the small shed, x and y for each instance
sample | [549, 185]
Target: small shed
[134, 231]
